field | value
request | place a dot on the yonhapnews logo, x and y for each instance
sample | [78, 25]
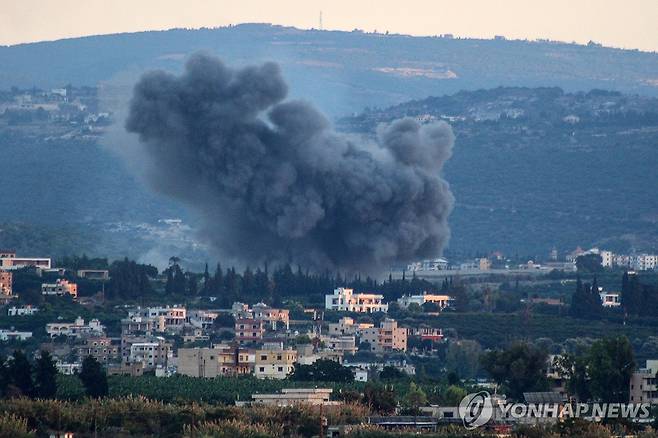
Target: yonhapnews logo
[478, 408]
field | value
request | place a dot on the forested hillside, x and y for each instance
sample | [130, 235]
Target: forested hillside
[537, 168]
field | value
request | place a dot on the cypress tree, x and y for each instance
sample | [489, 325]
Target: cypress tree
[20, 372]
[45, 376]
[93, 378]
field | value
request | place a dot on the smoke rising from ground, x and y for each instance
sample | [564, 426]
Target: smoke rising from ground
[273, 181]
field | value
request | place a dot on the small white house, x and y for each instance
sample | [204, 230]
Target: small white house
[22, 311]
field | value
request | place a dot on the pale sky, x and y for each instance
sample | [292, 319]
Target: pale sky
[626, 23]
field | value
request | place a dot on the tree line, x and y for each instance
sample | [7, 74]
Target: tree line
[130, 280]
[600, 373]
[637, 299]
[19, 377]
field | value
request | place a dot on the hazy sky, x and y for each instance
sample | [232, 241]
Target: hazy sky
[624, 23]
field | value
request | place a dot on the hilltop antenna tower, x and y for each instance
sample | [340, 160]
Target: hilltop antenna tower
[320, 21]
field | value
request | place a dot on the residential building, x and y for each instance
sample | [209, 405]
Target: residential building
[644, 262]
[345, 300]
[342, 344]
[307, 354]
[6, 282]
[137, 325]
[249, 330]
[194, 334]
[165, 319]
[442, 301]
[610, 299]
[484, 264]
[439, 264]
[271, 315]
[126, 369]
[274, 363]
[130, 354]
[221, 360]
[347, 326]
[8, 260]
[77, 329]
[13, 335]
[387, 337]
[427, 333]
[556, 379]
[241, 311]
[67, 368]
[60, 288]
[376, 367]
[607, 259]
[622, 260]
[100, 348]
[202, 319]
[643, 387]
[156, 353]
[27, 310]
[94, 274]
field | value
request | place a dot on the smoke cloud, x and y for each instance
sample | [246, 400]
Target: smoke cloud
[273, 181]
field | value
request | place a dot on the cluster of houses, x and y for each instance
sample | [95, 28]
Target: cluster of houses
[609, 259]
[262, 343]
[345, 300]
[257, 340]
[69, 111]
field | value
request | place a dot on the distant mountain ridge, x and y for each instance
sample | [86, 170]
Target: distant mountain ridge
[342, 72]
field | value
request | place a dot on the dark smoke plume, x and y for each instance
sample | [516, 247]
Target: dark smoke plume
[273, 181]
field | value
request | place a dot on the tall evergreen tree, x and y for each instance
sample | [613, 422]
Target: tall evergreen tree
[5, 378]
[206, 281]
[631, 294]
[93, 378]
[217, 288]
[20, 372]
[192, 286]
[45, 376]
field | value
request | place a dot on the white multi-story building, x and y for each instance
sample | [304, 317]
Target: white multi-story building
[60, 288]
[169, 318]
[150, 354]
[77, 329]
[607, 259]
[345, 300]
[621, 260]
[644, 262]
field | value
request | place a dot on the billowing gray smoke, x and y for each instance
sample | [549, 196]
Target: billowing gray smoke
[273, 181]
